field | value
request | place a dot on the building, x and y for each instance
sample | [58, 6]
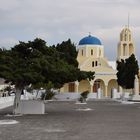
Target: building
[91, 58]
[126, 45]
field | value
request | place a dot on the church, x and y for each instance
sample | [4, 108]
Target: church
[91, 58]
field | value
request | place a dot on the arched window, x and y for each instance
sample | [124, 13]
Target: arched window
[124, 49]
[121, 37]
[91, 52]
[93, 64]
[125, 37]
[131, 49]
[96, 63]
[99, 52]
[129, 37]
[82, 52]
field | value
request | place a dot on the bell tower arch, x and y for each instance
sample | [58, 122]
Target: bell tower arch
[126, 45]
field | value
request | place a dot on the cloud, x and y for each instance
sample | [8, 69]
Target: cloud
[58, 20]
[6, 5]
[8, 42]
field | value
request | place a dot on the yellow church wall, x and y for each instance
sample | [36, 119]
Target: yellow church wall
[104, 62]
[84, 85]
[64, 89]
[112, 84]
[86, 63]
[81, 60]
[105, 78]
[101, 52]
[88, 51]
[106, 85]
[109, 84]
[102, 84]
[82, 52]
[94, 52]
[103, 69]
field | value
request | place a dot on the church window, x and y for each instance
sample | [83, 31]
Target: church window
[96, 63]
[124, 49]
[129, 37]
[131, 49]
[121, 37]
[99, 52]
[82, 52]
[91, 52]
[125, 37]
[71, 87]
[93, 64]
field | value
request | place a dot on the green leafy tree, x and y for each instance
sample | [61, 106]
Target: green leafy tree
[67, 54]
[127, 69]
[67, 51]
[23, 65]
[34, 63]
[60, 72]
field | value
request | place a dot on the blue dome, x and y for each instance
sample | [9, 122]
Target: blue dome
[90, 40]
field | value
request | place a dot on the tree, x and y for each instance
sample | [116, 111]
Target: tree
[66, 56]
[67, 51]
[127, 69]
[23, 65]
[33, 63]
[60, 72]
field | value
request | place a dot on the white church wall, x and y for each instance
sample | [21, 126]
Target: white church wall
[67, 96]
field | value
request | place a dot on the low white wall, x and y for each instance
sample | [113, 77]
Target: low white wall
[67, 96]
[126, 95]
[116, 95]
[73, 96]
[27, 96]
[31, 107]
[135, 97]
[119, 95]
[9, 100]
[92, 96]
[6, 101]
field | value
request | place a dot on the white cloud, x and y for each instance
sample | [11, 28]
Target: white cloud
[7, 5]
[8, 42]
[58, 20]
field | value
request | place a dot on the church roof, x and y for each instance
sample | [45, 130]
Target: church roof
[90, 40]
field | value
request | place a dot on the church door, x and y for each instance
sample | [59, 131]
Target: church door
[96, 86]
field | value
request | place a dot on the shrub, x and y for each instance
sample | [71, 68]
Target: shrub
[48, 95]
[83, 96]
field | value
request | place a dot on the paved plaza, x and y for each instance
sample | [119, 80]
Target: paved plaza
[96, 120]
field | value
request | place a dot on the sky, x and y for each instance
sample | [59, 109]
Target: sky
[58, 20]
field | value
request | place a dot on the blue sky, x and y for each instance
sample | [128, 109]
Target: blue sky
[58, 20]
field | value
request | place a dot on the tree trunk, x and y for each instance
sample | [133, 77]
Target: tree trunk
[17, 100]
[123, 93]
[37, 93]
